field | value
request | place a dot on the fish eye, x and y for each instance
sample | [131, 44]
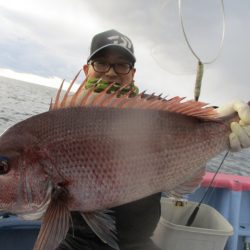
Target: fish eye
[4, 165]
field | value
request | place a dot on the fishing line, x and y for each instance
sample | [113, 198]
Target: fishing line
[200, 65]
[195, 212]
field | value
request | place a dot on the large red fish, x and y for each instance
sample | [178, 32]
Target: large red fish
[95, 151]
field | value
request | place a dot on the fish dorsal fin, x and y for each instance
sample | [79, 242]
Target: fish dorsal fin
[89, 97]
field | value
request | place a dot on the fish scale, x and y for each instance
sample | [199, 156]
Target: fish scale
[90, 154]
[125, 140]
[134, 143]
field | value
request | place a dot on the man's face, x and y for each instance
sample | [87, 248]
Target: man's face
[110, 56]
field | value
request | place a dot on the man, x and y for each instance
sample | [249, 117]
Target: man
[112, 59]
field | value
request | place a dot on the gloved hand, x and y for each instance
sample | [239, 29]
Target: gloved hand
[240, 136]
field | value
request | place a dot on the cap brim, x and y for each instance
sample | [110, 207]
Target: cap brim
[128, 52]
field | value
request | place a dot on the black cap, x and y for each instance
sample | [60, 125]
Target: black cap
[111, 38]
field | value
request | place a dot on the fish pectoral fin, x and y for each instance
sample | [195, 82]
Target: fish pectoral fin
[55, 222]
[188, 186]
[103, 225]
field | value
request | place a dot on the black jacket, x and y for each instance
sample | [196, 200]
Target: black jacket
[135, 223]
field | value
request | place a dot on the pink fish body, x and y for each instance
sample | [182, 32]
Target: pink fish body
[105, 152]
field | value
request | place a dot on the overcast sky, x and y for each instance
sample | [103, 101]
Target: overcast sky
[44, 41]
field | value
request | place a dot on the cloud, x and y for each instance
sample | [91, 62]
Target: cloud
[43, 45]
[52, 39]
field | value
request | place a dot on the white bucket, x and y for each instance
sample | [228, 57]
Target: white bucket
[209, 231]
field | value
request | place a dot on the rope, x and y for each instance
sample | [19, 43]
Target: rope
[200, 66]
[187, 40]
